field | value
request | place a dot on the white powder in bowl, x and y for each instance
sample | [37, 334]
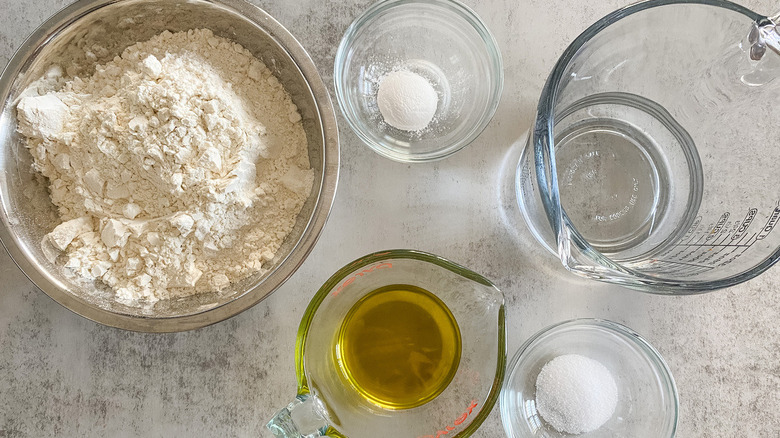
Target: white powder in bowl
[177, 168]
[407, 100]
[575, 394]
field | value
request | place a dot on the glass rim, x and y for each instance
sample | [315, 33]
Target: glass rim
[303, 388]
[544, 146]
[550, 89]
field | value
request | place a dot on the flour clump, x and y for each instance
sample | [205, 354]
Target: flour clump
[177, 168]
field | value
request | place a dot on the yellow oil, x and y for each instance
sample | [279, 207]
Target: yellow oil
[399, 346]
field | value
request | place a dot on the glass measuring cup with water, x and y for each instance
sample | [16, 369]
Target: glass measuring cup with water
[653, 161]
[398, 343]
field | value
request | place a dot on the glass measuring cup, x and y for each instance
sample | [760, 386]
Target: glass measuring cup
[651, 162]
[328, 403]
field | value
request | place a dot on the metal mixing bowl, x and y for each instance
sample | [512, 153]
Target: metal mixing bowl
[101, 29]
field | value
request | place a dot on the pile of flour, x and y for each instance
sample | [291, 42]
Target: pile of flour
[177, 168]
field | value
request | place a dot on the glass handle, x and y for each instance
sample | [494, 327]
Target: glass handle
[303, 418]
[764, 34]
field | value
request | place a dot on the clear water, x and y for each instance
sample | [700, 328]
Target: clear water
[628, 174]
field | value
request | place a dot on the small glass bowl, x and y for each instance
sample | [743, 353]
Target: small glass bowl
[647, 395]
[441, 40]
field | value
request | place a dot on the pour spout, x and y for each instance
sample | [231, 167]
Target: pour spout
[764, 34]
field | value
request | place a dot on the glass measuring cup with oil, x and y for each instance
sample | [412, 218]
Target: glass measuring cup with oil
[398, 343]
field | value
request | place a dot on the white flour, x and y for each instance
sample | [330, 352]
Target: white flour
[177, 168]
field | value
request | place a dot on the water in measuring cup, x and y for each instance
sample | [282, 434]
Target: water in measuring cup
[629, 176]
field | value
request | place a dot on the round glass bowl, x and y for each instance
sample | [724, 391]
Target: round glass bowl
[647, 396]
[441, 40]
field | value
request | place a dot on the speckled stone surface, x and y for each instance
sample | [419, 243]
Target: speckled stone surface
[62, 375]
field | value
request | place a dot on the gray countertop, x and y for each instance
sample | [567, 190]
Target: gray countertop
[62, 375]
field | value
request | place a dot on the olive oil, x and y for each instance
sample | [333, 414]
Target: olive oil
[399, 346]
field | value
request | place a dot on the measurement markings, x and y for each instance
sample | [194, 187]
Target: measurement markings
[704, 245]
[728, 257]
[681, 252]
[694, 250]
[726, 236]
[679, 269]
[701, 236]
[749, 238]
[719, 248]
[684, 263]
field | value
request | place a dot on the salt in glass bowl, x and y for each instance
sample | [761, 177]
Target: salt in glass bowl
[441, 40]
[647, 396]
